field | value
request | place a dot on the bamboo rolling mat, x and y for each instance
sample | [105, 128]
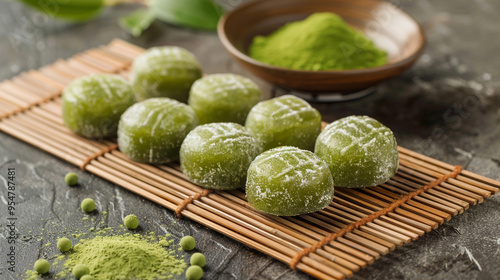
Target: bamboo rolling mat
[359, 226]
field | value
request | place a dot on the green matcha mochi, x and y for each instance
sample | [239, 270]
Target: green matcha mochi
[165, 72]
[217, 155]
[152, 131]
[223, 98]
[92, 105]
[284, 121]
[360, 151]
[288, 181]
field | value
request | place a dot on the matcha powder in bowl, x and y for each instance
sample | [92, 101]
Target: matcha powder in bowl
[125, 256]
[323, 41]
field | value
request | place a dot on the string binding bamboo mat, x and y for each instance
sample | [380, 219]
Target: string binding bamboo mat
[358, 227]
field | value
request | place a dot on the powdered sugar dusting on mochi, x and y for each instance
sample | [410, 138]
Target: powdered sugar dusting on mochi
[153, 130]
[284, 121]
[297, 164]
[99, 88]
[289, 181]
[358, 147]
[92, 104]
[164, 61]
[223, 84]
[217, 155]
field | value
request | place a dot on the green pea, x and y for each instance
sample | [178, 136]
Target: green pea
[187, 243]
[131, 221]
[42, 266]
[71, 179]
[194, 272]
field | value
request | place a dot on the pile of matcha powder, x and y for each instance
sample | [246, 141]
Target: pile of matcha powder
[121, 256]
[323, 41]
[124, 257]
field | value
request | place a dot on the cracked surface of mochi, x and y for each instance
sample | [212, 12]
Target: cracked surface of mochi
[164, 72]
[223, 98]
[360, 151]
[284, 121]
[92, 105]
[217, 155]
[152, 131]
[287, 181]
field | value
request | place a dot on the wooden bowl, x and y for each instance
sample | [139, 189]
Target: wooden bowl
[390, 28]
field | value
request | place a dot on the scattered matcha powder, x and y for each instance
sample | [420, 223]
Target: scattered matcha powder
[31, 275]
[323, 41]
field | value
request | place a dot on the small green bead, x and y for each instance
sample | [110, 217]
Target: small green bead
[64, 244]
[71, 179]
[87, 277]
[194, 272]
[80, 270]
[131, 221]
[198, 259]
[88, 205]
[42, 266]
[187, 243]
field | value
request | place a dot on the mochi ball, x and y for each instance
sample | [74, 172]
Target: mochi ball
[288, 181]
[217, 155]
[360, 151]
[152, 131]
[284, 121]
[165, 72]
[92, 105]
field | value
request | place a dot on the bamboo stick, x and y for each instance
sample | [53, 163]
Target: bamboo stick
[432, 194]
[71, 141]
[488, 182]
[77, 64]
[24, 84]
[110, 52]
[447, 188]
[315, 231]
[28, 78]
[108, 59]
[26, 99]
[44, 114]
[66, 155]
[96, 64]
[7, 109]
[36, 75]
[55, 74]
[433, 173]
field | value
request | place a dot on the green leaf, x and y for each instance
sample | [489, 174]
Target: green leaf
[138, 21]
[202, 14]
[70, 10]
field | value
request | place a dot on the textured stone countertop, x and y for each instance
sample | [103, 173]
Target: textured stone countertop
[446, 107]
